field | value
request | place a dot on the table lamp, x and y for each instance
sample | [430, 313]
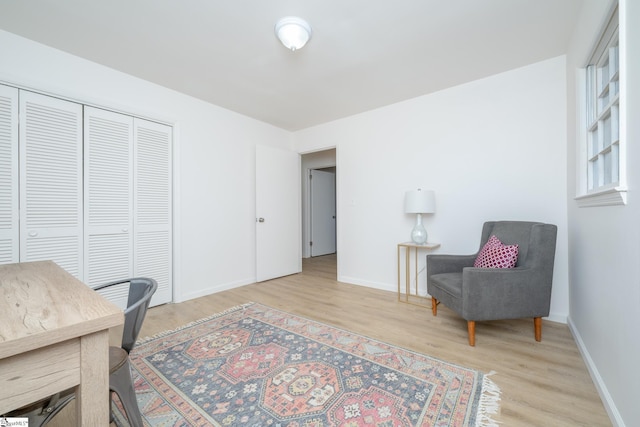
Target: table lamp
[419, 202]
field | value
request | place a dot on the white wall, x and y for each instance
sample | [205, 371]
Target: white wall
[604, 249]
[215, 158]
[492, 149]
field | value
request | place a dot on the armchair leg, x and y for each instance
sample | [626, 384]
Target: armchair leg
[537, 324]
[434, 306]
[471, 327]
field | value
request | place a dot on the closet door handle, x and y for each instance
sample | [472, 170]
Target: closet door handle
[33, 234]
[125, 230]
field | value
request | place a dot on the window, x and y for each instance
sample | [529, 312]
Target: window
[602, 163]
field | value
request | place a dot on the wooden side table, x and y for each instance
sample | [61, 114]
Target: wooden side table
[410, 295]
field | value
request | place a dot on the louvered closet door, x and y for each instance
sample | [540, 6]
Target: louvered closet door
[51, 181]
[9, 232]
[108, 193]
[152, 201]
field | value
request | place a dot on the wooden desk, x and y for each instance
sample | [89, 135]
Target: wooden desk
[54, 335]
[411, 296]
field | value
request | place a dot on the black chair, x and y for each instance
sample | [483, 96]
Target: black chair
[479, 294]
[140, 291]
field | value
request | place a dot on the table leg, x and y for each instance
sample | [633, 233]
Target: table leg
[416, 269]
[407, 277]
[399, 273]
[92, 394]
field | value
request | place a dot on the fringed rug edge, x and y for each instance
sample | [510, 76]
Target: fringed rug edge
[489, 402]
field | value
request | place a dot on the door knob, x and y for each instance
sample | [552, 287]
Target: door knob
[260, 219]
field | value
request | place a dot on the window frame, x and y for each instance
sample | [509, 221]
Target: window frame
[592, 120]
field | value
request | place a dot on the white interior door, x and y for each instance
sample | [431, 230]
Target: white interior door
[152, 206]
[9, 236]
[50, 158]
[278, 213]
[108, 219]
[323, 212]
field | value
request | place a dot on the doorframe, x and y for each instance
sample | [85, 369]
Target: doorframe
[306, 202]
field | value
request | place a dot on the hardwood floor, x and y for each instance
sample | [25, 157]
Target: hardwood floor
[542, 384]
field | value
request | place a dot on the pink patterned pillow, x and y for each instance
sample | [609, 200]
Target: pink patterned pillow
[496, 255]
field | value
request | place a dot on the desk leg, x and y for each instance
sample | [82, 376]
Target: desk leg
[92, 394]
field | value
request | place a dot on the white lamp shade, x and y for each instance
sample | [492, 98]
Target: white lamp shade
[419, 201]
[293, 32]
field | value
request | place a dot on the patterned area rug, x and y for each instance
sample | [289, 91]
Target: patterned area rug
[257, 366]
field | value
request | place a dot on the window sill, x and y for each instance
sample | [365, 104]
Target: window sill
[610, 197]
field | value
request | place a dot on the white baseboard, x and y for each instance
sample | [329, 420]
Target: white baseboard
[215, 289]
[368, 284]
[607, 400]
[558, 318]
[554, 317]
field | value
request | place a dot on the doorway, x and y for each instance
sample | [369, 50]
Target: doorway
[325, 162]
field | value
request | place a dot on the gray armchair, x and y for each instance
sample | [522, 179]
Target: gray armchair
[479, 294]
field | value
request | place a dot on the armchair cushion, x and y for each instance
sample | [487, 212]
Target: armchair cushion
[495, 254]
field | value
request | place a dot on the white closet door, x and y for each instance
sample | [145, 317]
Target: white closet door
[51, 181]
[108, 192]
[152, 206]
[9, 231]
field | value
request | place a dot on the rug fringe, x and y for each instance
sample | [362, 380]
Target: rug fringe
[195, 322]
[489, 402]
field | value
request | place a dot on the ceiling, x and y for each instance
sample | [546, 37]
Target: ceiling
[363, 54]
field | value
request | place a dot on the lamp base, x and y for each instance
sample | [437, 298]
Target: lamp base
[419, 233]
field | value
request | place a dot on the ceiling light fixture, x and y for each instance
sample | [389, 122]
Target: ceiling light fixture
[293, 32]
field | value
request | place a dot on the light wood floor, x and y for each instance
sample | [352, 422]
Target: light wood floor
[543, 384]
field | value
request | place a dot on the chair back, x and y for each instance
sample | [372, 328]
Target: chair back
[536, 241]
[141, 289]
